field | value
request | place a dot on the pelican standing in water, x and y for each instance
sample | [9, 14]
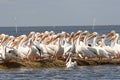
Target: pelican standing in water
[70, 63]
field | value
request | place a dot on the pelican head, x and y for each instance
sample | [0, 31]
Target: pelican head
[11, 54]
[58, 35]
[52, 32]
[77, 33]
[24, 36]
[46, 32]
[85, 33]
[2, 36]
[67, 35]
[12, 37]
[101, 37]
[31, 34]
[94, 34]
[115, 37]
[112, 33]
[72, 34]
[63, 32]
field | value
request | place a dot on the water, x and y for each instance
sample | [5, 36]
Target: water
[26, 30]
[81, 73]
[106, 72]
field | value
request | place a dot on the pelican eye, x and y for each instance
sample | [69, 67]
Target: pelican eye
[16, 55]
[10, 51]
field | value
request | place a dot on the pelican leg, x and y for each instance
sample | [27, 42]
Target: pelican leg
[55, 57]
[99, 58]
[85, 58]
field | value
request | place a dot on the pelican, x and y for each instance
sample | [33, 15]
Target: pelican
[53, 49]
[40, 47]
[2, 45]
[70, 63]
[71, 48]
[65, 42]
[5, 53]
[50, 49]
[112, 33]
[108, 48]
[115, 45]
[20, 48]
[49, 44]
[10, 41]
[101, 53]
[78, 46]
[83, 48]
[119, 42]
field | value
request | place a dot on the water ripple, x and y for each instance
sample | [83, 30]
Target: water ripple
[81, 73]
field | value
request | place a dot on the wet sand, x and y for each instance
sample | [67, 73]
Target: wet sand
[57, 63]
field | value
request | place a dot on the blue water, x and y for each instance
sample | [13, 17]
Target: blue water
[26, 30]
[81, 73]
[106, 72]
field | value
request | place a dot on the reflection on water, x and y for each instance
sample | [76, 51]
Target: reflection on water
[82, 72]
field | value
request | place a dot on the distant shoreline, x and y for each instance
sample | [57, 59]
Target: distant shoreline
[63, 26]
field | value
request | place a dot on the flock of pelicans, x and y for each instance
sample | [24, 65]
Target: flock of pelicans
[49, 45]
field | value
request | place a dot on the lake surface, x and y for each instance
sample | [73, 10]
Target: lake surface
[26, 30]
[106, 72]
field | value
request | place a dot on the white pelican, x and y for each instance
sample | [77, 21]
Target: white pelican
[115, 45]
[53, 49]
[40, 47]
[78, 46]
[10, 54]
[83, 48]
[10, 41]
[50, 49]
[101, 53]
[20, 48]
[71, 48]
[5, 53]
[119, 42]
[108, 48]
[2, 45]
[70, 63]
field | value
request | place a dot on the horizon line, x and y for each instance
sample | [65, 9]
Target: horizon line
[62, 25]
